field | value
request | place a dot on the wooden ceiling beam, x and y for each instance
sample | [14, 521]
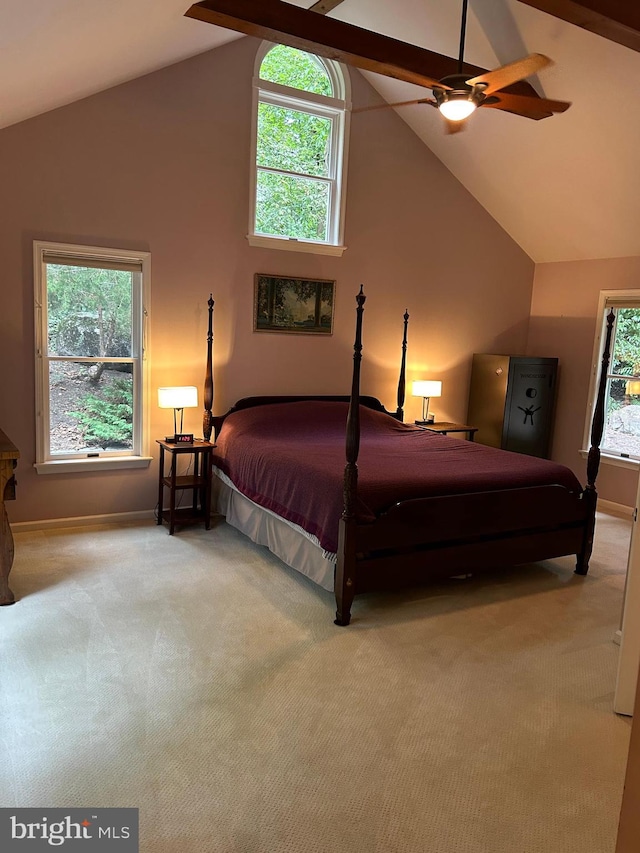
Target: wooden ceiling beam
[322, 7]
[284, 23]
[616, 20]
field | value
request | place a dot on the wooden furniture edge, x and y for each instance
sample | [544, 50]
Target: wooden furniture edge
[9, 455]
[590, 494]
[207, 420]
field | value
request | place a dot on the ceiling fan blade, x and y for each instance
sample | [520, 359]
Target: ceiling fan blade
[290, 25]
[397, 104]
[511, 73]
[523, 106]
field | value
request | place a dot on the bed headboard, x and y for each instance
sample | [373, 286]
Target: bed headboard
[251, 402]
[211, 423]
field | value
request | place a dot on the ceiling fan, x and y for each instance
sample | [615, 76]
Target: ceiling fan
[456, 85]
[457, 95]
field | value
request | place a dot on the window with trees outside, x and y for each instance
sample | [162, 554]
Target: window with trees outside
[90, 357]
[621, 437]
[300, 137]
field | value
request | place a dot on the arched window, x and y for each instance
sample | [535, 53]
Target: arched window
[300, 139]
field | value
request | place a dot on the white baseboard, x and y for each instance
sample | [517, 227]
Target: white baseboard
[82, 520]
[611, 508]
[608, 507]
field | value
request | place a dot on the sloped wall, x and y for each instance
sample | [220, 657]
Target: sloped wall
[162, 164]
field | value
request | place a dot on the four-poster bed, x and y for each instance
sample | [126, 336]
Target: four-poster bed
[408, 506]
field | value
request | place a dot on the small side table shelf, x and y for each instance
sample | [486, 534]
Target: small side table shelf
[199, 483]
[445, 427]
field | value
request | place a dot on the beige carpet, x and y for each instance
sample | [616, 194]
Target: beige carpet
[197, 678]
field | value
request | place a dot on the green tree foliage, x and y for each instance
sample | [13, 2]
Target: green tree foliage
[89, 311]
[294, 141]
[290, 67]
[89, 315]
[291, 207]
[625, 360]
[106, 420]
[626, 356]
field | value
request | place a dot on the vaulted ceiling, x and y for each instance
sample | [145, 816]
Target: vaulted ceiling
[565, 188]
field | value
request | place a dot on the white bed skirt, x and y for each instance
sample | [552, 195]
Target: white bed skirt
[289, 542]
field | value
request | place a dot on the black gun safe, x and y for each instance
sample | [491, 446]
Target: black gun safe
[511, 401]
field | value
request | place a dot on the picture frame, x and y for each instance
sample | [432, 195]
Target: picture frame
[300, 306]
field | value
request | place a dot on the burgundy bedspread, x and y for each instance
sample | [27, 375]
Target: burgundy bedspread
[290, 458]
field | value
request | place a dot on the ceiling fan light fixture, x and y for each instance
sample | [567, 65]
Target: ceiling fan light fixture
[456, 99]
[457, 107]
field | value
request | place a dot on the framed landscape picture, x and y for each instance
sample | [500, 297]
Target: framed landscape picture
[295, 305]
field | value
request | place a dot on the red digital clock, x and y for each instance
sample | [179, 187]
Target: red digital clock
[184, 438]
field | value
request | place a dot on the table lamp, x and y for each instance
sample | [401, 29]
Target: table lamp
[178, 398]
[426, 388]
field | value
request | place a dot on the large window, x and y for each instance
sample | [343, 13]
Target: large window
[90, 357]
[621, 437]
[300, 133]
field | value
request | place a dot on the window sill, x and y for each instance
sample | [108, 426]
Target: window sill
[616, 461]
[289, 244]
[82, 466]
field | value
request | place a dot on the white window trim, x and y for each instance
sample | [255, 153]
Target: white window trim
[607, 299]
[339, 110]
[141, 459]
[292, 244]
[616, 461]
[77, 466]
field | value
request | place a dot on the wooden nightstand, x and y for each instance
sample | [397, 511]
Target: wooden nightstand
[199, 483]
[445, 427]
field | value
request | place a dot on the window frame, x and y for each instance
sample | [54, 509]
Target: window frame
[338, 109]
[608, 299]
[138, 456]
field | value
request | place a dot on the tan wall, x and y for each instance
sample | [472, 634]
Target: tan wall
[563, 324]
[162, 164]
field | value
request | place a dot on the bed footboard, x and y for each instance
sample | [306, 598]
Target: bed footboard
[428, 538]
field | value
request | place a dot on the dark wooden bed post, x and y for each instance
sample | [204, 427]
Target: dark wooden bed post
[590, 495]
[403, 367]
[345, 581]
[207, 420]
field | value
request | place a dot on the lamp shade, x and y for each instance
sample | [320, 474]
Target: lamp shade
[426, 388]
[632, 387]
[178, 397]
